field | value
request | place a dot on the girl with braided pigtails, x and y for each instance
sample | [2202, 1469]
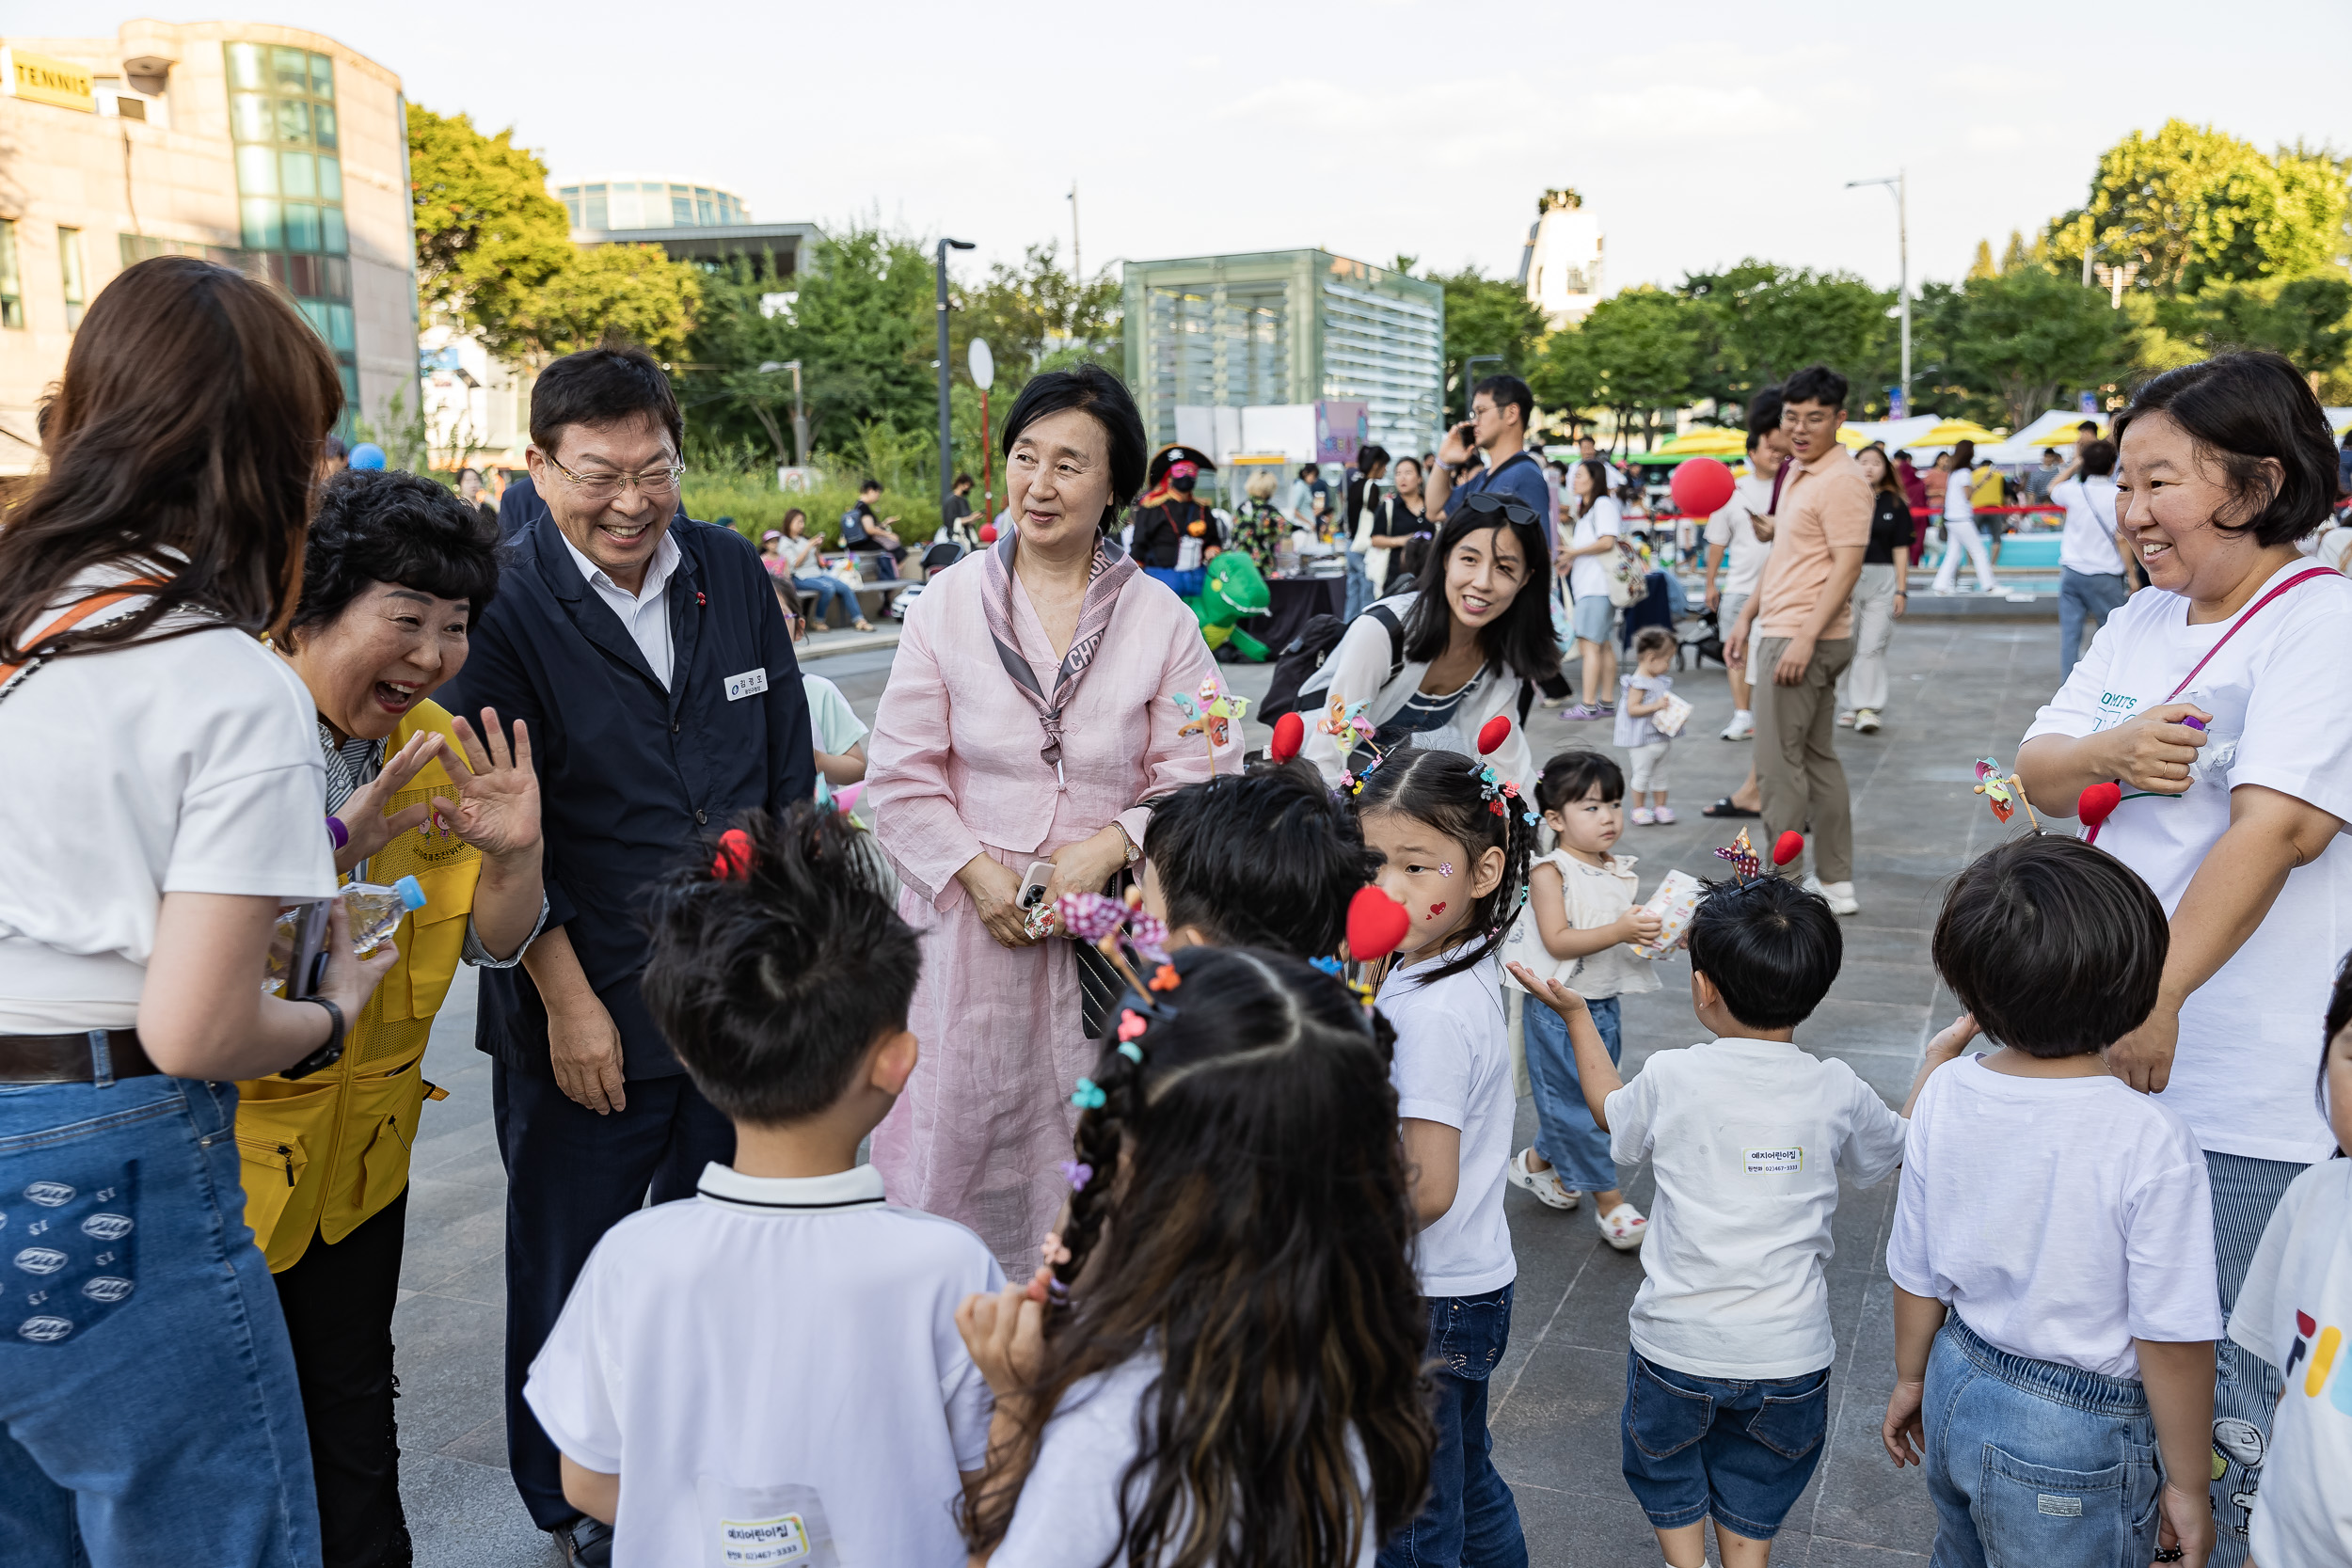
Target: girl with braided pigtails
[1453, 839]
[1220, 1362]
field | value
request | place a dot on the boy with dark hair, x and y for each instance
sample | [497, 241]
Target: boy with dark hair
[864, 529]
[709, 1342]
[1728, 1382]
[1265, 858]
[2052, 1250]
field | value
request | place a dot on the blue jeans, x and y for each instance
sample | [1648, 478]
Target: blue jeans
[1741, 1449]
[2030, 1462]
[2246, 1388]
[1565, 1133]
[147, 1388]
[1472, 1519]
[828, 589]
[2084, 595]
[1184, 585]
[1359, 586]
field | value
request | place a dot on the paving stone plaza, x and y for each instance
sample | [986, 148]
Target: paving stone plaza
[1965, 686]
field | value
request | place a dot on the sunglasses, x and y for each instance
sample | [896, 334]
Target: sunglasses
[1510, 507]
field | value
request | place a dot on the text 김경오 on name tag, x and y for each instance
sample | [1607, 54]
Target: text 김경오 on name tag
[1772, 1161]
[751, 682]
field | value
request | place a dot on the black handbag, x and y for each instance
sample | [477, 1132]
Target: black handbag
[1099, 984]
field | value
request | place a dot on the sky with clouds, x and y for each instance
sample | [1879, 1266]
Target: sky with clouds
[1699, 132]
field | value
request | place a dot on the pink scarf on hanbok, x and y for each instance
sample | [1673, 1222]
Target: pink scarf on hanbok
[1111, 569]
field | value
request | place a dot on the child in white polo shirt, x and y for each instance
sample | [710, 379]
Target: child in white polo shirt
[1728, 1382]
[773, 1363]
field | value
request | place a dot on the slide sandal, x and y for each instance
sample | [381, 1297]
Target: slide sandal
[1725, 808]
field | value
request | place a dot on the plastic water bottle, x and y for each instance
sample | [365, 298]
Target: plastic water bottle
[376, 913]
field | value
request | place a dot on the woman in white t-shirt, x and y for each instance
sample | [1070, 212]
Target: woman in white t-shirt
[1960, 528]
[1238, 1227]
[2235, 819]
[166, 793]
[1599, 524]
[2093, 580]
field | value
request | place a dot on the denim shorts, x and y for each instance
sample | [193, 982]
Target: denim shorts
[1739, 1449]
[1595, 617]
[2031, 1463]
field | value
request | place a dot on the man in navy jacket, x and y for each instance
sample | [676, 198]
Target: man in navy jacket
[649, 657]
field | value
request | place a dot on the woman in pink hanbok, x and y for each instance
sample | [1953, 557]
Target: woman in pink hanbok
[1028, 717]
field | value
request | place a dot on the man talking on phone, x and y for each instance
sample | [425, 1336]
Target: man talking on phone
[655, 667]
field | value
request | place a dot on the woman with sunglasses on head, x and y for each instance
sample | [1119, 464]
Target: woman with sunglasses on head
[1471, 640]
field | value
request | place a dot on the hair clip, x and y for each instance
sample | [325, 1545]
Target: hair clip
[1328, 965]
[1130, 1050]
[1077, 1173]
[1089, 1095]
[1741, 854]
[1131, 1024]
[1166, 978]
[1052, 1249]
[733, 862]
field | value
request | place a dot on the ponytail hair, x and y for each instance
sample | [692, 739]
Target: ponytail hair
[1448, 791]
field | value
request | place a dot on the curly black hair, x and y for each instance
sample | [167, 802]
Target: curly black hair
[1265, 858]
[1244, 1221]
[773, 986]
[383, 526]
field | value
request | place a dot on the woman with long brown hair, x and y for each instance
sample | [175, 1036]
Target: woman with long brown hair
[165, 795]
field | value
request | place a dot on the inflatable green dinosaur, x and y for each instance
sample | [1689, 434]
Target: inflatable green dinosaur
[1231, 591]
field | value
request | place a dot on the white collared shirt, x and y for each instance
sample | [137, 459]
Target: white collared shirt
[775, 1349]
[645, 616]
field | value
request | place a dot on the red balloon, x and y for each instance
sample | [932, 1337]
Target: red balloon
[988, 534]
[1493, 734]
[2098, 802]
[1290, 732]
[1787, 847]
[1701, 486]
[1375, 924]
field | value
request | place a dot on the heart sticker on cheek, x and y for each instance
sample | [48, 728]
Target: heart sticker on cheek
[1435, 910]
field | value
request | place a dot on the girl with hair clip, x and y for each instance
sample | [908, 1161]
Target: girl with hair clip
[1220, 1360]
[1452, 838]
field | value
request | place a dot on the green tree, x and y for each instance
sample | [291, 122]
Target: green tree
[1642, 346]
[1764, 322]
[1565, 383]
[2010, 343]
[489, 234]
[2307, 319]
[1983, 265]
[862, 324]
[1485, 315]
[1034, 308]
[2195, 206]
[614, 293]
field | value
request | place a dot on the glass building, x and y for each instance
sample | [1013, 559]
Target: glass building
[289, 187]
[1287, 327]
[604, 205]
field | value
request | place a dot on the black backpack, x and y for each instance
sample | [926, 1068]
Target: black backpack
[1305, 653]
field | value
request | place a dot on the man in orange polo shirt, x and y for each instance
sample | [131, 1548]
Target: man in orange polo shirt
[1801, 618]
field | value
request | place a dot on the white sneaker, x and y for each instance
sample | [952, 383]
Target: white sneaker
[1743, 726]
[1544, 1183]
[1644, 817]
[1838, 896]
[1623, 1226]
[1866, 722]
[1845, 720]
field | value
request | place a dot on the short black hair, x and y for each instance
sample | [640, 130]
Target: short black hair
[381, 525]
[866, 484]
[2098, 457]
[1508, 389]
[598, 386]
[1815, 384]
[960, 481]
[1764, 405]
[1371, 458]
[1267, 859]
[1306, 469]
[773, 986]
[2054, 945]
[2242, 409]
[1569, 776]
[1771, 948]
[2093, 426]
[1093, 391]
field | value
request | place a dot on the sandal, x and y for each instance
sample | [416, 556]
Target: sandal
[1725, 808]
[1623, 1226]
[861, 624]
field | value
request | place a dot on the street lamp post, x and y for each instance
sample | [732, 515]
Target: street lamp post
[1899, 186]
[800, 416]
[947, 436]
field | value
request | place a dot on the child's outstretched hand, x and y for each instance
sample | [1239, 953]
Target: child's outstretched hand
[1552, 994]
[1955, 1036]
[1642, 924]
[1005, 1336]
[1904, 1434]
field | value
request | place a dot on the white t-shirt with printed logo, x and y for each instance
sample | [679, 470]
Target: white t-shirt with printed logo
[2062, 1218]
[2280, 694]
[1746, 1138]
[1452, 1067]
[773, 1364]
[2295, 1311]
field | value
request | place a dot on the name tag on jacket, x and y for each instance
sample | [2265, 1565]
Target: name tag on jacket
[751, 682]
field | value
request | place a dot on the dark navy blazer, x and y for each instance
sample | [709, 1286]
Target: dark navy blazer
[632, 779]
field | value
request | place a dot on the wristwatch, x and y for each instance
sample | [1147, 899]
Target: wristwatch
[325, 1056]
[1135, 852]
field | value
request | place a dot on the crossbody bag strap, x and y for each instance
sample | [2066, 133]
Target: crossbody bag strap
[10, 673]
[2250, 611]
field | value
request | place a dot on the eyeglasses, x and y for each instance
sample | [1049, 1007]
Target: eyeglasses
[656, 485]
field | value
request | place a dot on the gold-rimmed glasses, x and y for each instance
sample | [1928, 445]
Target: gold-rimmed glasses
[656, 485]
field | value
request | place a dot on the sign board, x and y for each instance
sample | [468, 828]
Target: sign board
[2087, 403]
[1340, 431]
[981, 363]
[1898, 405]
[42, 79]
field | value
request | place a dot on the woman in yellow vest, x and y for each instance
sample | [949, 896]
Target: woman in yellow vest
[395, 571]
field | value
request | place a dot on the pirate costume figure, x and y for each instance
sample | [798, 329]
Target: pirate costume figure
[1175, 535]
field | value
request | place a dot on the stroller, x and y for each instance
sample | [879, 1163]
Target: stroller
[938, 557]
